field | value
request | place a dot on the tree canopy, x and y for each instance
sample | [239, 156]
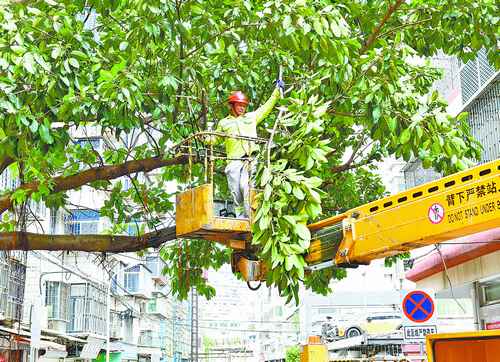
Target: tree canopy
[146, 74]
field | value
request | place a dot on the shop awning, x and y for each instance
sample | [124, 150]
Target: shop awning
[456, 252]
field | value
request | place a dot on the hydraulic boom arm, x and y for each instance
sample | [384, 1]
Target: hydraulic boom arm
[461, 204]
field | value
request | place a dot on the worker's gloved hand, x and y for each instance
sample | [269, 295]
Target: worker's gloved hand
[280, 84]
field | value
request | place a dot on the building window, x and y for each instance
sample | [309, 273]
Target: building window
[12, 283]
[484, 121]
[155, 264]
[128, 323]
[94, 143]
[492, 293]
[87, 309]
[81, 222]
[152, 263]
[475, 74]
[53, 221]
[131, 279]
[38, 208]
[7, 182]
[152, 306]
[56, 299]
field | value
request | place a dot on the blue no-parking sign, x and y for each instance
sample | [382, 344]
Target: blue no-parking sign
[418, 306]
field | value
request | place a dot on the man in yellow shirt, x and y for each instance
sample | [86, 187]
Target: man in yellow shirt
[239, 169]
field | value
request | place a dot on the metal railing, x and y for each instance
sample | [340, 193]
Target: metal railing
[12, 282]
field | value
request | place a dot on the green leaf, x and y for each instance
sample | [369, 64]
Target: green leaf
[28, 63]
[289, 262]
[376, 113]
[290, 220]
[392, 123]
[264, 222]
[303, 232]
[74, 63]
[318, 27]
[405, 136]
[44, 132]
[287, 187]
[298, 193]
[267, 192]
[231, 51]
[266, 177]
[126, 93]
[34, 126]
[79, 54]
[123, 46]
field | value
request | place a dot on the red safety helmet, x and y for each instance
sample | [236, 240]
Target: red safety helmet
[237, 97]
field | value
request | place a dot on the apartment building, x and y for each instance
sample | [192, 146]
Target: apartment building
[70, 293]
[473, 87]
[466, 289]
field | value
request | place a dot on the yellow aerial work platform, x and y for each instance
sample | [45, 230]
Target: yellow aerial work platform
[195, 219]
[195, 207]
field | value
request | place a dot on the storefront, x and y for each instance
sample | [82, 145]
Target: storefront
[465, 275]
[488, 292]
[14, 345]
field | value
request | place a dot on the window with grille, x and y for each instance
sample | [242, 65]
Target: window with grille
[131, 279]
[87, 309]
[38, 208]
[484, 121]
[7, 182]
[152, 306]
[12, 283]
[474, 75]
[53, 221]
[93, 142]
[415, 174]
[81, 222]
[155, 264]
[4, 281]
[56, 299]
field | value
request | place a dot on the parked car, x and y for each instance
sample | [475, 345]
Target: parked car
[373, 325]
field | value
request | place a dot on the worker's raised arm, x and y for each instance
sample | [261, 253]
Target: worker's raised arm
[213, 139]
[264, 110]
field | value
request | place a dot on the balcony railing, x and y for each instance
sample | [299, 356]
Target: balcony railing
[159, 307]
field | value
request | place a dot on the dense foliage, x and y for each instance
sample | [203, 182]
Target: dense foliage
[145, 74]
[293, 354]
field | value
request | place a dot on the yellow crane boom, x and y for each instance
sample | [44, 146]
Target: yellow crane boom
[461, 204]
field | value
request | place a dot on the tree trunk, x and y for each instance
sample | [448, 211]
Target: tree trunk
[91, 243]
[110, 172]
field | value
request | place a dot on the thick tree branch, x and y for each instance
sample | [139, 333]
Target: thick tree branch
[375, 33]
[110, 172]
[348, 164]
[408, 25]
[6, 162]
[90, 243]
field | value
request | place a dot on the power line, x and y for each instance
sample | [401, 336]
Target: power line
[247, 321]
[245, 330]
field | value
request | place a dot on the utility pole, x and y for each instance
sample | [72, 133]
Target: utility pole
[194, 326]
